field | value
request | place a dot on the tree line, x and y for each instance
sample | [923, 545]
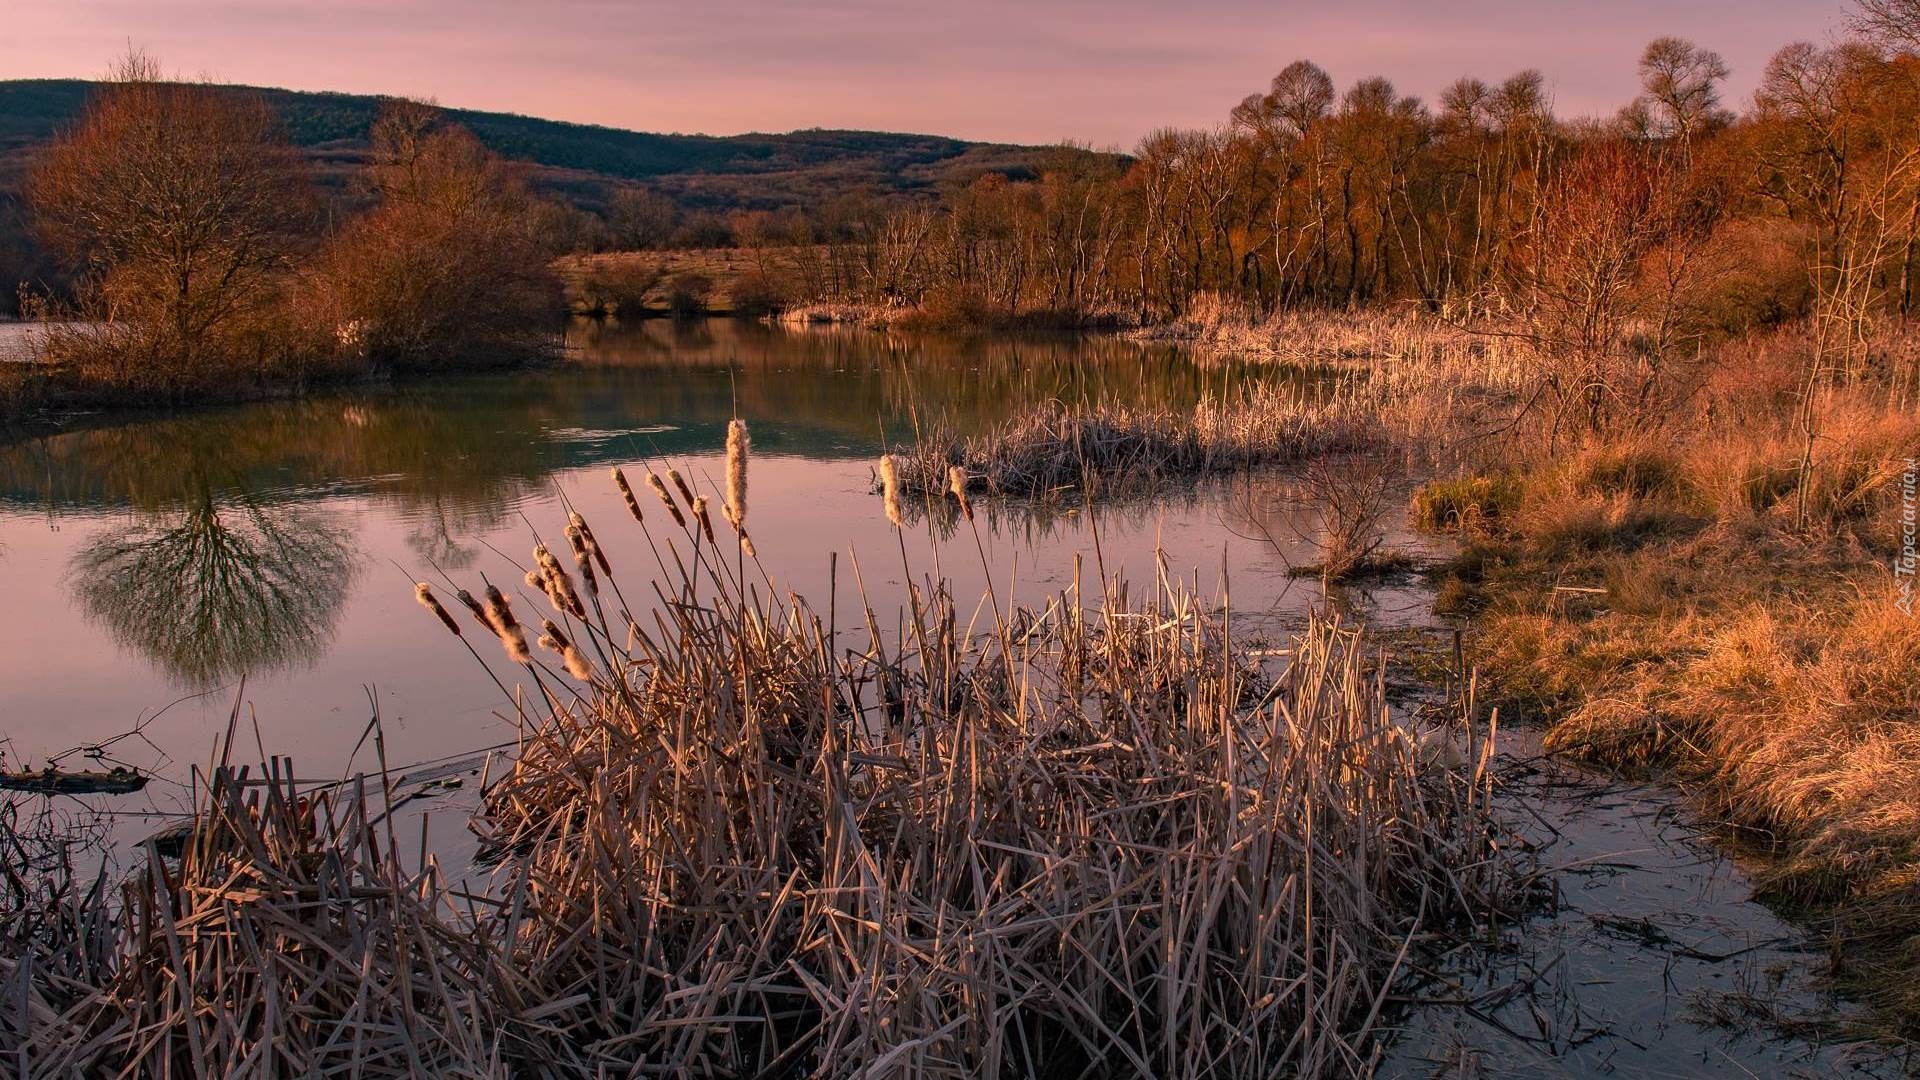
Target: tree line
[1678, 214]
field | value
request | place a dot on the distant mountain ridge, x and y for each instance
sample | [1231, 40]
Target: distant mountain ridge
[719, 172]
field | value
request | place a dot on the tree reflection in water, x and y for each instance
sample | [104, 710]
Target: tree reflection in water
[216, 592]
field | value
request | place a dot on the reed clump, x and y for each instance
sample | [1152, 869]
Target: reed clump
[1055, 448]
[287, 938]
[1102, 837]
[1120, 847]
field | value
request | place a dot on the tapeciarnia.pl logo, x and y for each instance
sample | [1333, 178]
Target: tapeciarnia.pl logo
[1903, 564]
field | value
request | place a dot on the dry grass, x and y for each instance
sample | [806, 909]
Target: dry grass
[1227, 325]
[1098, 837]
[1660, 600]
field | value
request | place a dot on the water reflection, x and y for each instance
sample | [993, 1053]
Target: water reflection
[210, 593]
[462, 451]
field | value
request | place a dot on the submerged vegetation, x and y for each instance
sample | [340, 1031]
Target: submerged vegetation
[1100, 835]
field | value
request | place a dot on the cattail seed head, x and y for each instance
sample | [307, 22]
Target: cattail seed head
[626, 492]
[593, 545]
[559, 584]
[587, 578]
[500, 618]
[576, 664]
[738, 445]
[424, 594]
[499, 611]
[706, 523]
[473, 607]
[957, 483]
[680, 485]
[660, 489]
[890, 488]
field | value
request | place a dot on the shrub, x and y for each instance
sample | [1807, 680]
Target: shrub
[1465, 502]
[687, 295]
[445, 270]
[616, 288]
[755, 294]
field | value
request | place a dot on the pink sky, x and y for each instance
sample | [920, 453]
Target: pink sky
[1098, 71]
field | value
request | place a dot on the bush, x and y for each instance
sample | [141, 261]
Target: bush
[616, 288]
[687, 295]
[446, 271]
[755, 294]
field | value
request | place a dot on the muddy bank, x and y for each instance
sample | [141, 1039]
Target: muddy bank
[1650, 956]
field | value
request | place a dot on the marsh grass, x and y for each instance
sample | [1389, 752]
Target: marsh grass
[1100, 836]
[1056, 449]
[1661, 602]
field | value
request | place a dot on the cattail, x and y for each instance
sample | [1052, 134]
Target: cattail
[559, 584]
[473, 607]
[552, 638]
[424, 593]
[890, 486]
[536, 581]
[660, 489]
[579, 538]
[957, 483]
[500, 618]
[680, 485]
[738, 443]
[626, 492]
[706, 523]
[593, 545]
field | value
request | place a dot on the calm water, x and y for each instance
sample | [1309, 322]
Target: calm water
[155, 568]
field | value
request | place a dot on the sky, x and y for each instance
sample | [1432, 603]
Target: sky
[1100, 72]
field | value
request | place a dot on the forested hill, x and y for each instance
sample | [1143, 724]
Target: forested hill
[700, 171]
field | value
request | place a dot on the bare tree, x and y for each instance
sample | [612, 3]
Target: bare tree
[1682, 82]
[179, 204]
[1892, 23]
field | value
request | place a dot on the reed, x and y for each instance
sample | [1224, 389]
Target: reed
[1055, 448]
[1126, 847]
[287, 938]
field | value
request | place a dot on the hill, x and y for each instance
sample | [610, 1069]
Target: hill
[583, 163]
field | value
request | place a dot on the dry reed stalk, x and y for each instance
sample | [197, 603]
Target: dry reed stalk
[1093, 853]
[1054, 448]
[287, 939]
